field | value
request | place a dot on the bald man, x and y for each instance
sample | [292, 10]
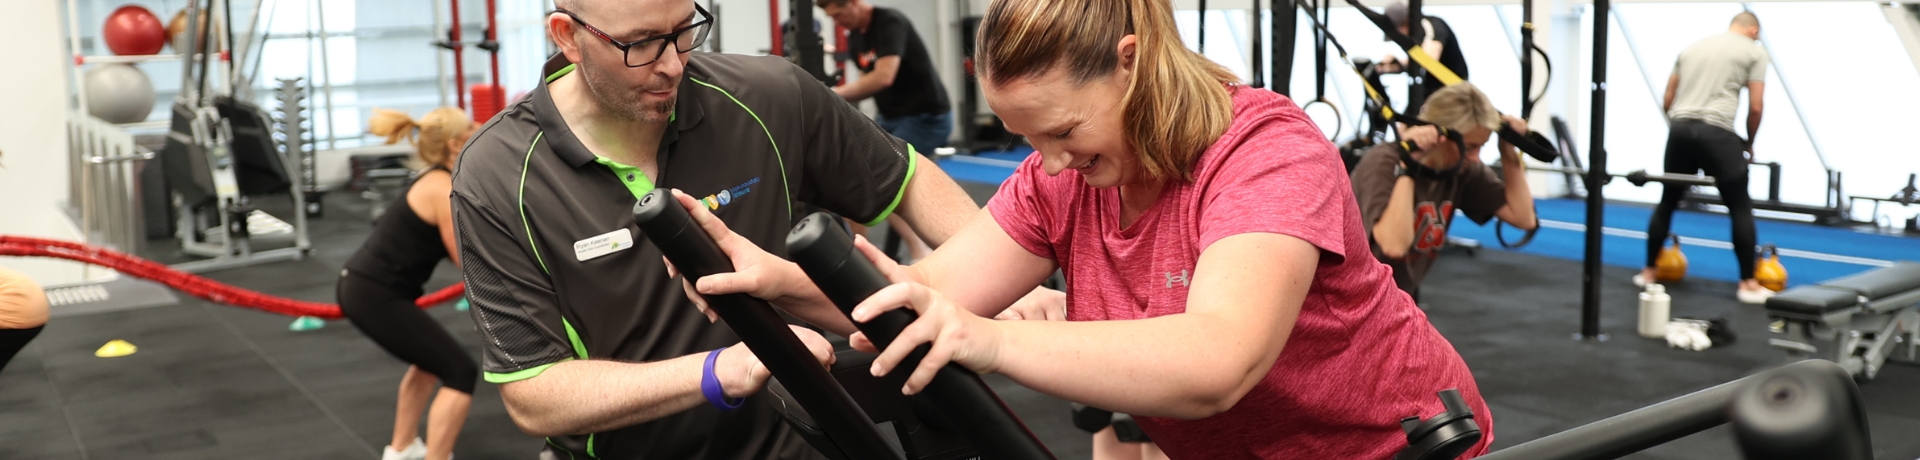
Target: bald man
[1702, 94]
[23, 313]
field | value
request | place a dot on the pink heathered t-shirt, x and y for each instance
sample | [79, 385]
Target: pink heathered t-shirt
[1361, 355]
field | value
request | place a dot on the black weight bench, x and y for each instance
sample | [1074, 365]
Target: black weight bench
[1865, 316]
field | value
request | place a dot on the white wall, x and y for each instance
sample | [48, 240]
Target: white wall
[33, 143]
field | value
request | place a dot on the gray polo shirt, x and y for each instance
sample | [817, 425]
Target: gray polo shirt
[1712, 73]
[556, 270]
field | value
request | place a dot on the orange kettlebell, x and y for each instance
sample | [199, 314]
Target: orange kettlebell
[1768, 270]
[1671, 265]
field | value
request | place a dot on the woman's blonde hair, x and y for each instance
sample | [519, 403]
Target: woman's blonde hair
[1177, 104]
[429, 134]
[1461, 107]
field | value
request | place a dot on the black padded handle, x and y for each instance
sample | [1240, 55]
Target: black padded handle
[671, 229]
[847, 278]
[1532, 143]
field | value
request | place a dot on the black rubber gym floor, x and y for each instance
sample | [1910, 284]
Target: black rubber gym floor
[212, 381]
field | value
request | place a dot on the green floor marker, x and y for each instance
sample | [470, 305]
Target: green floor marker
[462, 306]
[306, 323]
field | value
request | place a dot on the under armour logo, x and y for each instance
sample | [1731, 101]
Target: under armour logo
[1182, 278]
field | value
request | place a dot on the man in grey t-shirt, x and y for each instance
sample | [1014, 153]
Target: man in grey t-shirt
[1701, 97]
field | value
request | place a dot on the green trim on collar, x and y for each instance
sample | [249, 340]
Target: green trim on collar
[560, 73]
[632, 177]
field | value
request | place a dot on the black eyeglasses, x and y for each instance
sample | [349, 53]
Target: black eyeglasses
[651, 48]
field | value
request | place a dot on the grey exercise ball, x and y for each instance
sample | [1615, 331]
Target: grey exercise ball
[119, 93]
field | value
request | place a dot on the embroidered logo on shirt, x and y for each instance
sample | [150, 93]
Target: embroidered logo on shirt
[724, 197]
[1182, 278]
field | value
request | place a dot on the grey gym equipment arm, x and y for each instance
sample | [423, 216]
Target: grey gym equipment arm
[1809, 409]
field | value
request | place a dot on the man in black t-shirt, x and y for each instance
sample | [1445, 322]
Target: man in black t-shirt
[896, 71]
[1440, 42]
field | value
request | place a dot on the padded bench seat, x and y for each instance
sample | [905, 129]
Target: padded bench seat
[1813, 301]
[1880, 283]
[1865, 317]
[1844, 293]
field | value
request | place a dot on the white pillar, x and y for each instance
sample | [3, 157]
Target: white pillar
[33, 141]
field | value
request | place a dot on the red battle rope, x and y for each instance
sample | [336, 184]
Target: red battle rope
[186, 282]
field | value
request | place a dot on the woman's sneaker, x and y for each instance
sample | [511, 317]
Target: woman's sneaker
[415, 451]
[1753, 297]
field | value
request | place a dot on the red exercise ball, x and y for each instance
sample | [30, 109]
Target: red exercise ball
[133, 30]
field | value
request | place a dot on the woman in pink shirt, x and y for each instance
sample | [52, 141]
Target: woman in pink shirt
[1220, 285]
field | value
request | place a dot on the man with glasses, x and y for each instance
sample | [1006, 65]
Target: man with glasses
[593, 344]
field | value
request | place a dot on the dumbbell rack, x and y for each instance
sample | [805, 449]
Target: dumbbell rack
[290, 126]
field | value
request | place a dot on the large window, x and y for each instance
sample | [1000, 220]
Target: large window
[1844, 64]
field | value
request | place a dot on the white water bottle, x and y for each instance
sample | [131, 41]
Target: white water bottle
[1654, 311]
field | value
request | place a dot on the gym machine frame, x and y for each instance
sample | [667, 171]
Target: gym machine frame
[957, 395]
[203, 126]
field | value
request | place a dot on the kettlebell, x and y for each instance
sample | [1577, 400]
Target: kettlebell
[1671, 266]
[1768, 270]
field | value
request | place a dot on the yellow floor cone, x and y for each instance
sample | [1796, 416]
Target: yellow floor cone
[115, 348]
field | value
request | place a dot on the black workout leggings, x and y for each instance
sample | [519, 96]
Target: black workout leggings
[389, 317]
[13, 340]
[1694, 146]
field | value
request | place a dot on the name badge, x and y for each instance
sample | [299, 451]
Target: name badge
[597, 246]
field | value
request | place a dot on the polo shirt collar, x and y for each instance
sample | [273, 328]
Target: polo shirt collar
[687, 113]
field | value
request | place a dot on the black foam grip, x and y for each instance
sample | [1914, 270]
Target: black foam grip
[1533, 143]
[1801, 413]
[1091, 419]
[670, 228]
[847, 278]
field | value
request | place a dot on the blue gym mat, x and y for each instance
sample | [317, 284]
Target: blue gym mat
[997, 165]
[1811, 253]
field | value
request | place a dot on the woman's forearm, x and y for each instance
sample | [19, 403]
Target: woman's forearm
[1171, 366]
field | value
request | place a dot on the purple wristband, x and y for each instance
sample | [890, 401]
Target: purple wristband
[710, 385]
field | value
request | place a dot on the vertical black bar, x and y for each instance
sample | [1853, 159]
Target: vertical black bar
[1416, 30]
[1417, 88]
[806, 43]
[1526, 58]
[1596, 180]
[1203, 27]
[1259, 67]
[1320, 13]
[1285, 14]
[1773, 182]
